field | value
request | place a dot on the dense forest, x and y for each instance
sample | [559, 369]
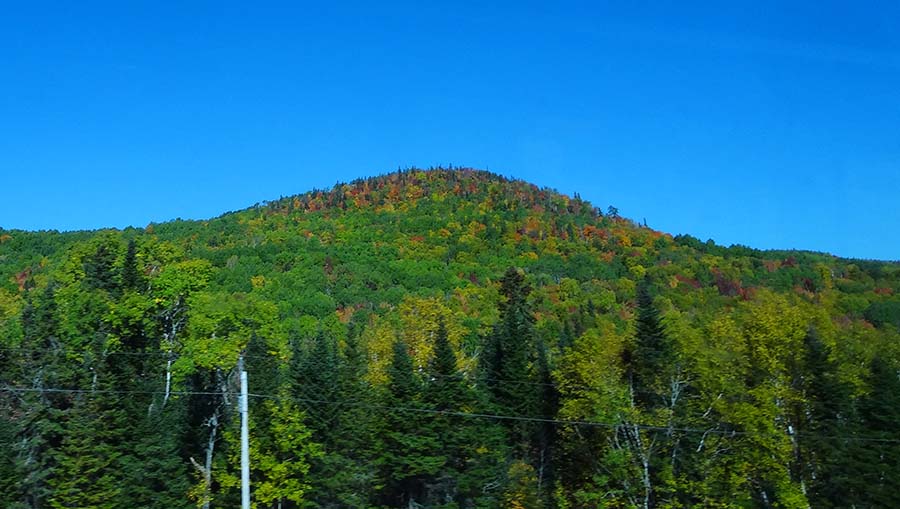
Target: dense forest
[442, 338]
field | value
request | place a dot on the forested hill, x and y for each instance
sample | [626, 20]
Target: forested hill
[445, 338]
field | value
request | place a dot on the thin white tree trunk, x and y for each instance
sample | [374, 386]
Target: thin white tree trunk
[168, 379]
[206, 469]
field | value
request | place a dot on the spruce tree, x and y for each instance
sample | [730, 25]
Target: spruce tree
[344, 476]
[9, 480]
[131, 276]
[474, 448]
[408, 460]
[879, 460]
[41, 422]
[649, 360]
[89, 470]
[445, 389]
[508, 366]
[157, 474]
[649, 371]
[824, 424]
[314, 382]
[547, 432]
[99, 269]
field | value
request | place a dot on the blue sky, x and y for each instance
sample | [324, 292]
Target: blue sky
[760, 123]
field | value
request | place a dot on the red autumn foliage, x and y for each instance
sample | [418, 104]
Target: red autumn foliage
[688, 281]
[726, 286]
[22, 277]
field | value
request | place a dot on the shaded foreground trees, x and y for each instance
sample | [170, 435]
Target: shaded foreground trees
[535, 425]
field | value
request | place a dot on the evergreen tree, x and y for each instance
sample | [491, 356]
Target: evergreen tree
[547, 432]
[268, 375]
[131, 276]
[343, 477]
[508, 369]
[42, 417]
[9, 424]
[408, 461]
[40, 322]
[445, 389]
[650, 371]
[156, 473]
[99, 269]
[650, 359]
[89, 469]
[473, 449]
[878, 465]
[824, 424]
[9, 488]
[207, 412]
[314, 378]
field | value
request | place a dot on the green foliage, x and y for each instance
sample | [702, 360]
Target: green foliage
[89, 458]
[473, 452]
[650, 361]
[884, 313]
[570, 382]
[409, 453]
[877, 464]
[156, 475]
[131, 276]
[508, 356]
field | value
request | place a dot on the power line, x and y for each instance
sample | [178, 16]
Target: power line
[609, 425]
[473, 377]
[106, 391]
[111, 353]
[477, 415]
[549, 420]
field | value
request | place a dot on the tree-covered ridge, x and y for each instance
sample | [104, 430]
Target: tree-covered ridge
[398, 358]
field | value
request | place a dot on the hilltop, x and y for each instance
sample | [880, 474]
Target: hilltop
[623, 365]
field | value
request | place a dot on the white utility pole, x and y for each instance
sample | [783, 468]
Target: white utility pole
[245, 440]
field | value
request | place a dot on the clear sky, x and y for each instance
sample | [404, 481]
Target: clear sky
[771, 124]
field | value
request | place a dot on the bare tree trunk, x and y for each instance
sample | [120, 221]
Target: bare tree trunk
[643, 454]
[174, 321]
[206, 469]
[168, 379]
[677, 385]
[210, 448]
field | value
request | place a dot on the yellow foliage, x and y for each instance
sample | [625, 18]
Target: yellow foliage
[378, 338]
[522, 490]
[826, 275]
[10, 305]
[419, 318]
[258, 281]
[638, 271]
[415, 321]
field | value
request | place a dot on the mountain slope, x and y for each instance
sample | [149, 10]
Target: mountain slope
[695, 371]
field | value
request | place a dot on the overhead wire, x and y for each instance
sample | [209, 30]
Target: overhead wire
[549, 420]
[475, 415]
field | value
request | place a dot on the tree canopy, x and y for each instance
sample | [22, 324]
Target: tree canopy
[443, 338]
